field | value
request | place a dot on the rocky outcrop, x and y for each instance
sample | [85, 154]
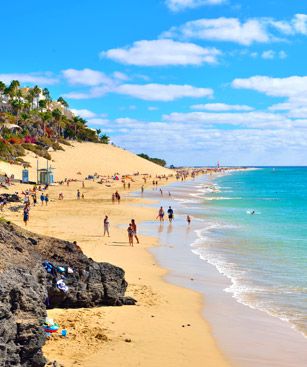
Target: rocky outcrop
[26, 290]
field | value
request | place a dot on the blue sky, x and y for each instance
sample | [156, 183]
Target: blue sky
[191, 81]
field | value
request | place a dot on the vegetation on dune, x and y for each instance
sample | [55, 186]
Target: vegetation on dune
[160, 162]
[31, 120]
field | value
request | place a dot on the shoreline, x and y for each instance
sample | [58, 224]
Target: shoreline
[269, 333]
[166, 310]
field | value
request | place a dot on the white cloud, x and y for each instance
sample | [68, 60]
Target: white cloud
[120, 76]
[162, 92]
[254, 119]
[32, 78]
[203, 144]
[87, 77]
[163, 52]
[222, 29]
[221, 107]
[276, 87]
[254, 30]
[271, 54]
[178, 5]
[300, 23]
[83, 113]
[147, 92]
[98, 122]
[268, 55]
[293, 88]
[282, 55]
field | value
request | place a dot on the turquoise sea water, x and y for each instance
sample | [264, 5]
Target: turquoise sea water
[265, 253]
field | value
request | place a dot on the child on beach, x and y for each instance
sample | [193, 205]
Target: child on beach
[130, 234]
[46, 199]
[106, 226]
[133, 225]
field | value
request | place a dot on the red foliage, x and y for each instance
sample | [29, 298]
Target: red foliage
[15, 140]
[30, 139]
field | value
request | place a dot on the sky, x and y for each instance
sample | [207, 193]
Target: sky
[191, 81]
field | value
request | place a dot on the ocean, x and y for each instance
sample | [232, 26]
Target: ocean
[249, 226]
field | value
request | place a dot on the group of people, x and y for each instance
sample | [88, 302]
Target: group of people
[161, 214]
[170, 213]
[132, 230]
[44, 198]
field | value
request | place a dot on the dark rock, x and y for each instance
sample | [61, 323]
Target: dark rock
[26, 289]
[33, 241]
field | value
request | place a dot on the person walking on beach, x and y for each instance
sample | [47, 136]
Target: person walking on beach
[161, 192]
[142, 190]
[106, 226]
[46, 199]
[78, 194]
[34, 196]
[188, 219]
[170, 213]
[26, 212]
[133, 225]
[161, 214]
[130, 234]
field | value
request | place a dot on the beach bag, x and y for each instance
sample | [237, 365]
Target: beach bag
[62, 286]
[48, 267]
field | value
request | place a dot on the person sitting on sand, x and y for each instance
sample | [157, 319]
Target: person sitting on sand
[133, 224]
[130, 234]
[170, 214]
[106, 226]
[161, 214]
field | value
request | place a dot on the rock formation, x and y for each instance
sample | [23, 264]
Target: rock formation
[26, 290]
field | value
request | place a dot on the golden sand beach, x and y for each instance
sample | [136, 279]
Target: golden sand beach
[166, 327]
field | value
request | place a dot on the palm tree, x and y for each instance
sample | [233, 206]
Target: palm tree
[17, 106]
[45, 116]
[12, 89]
[57, 115]
[2, 89]
[63, 103]
[42, 104]
[36, 92]
[105, 139]
[47, 96]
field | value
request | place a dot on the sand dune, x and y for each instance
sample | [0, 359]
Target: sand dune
[87, 158]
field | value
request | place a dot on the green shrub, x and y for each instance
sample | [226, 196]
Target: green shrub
[36, 149]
